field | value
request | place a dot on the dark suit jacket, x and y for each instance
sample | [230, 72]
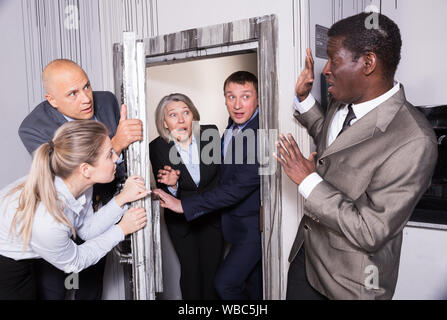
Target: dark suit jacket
[209, 177]
[41, 124]
[238, 193]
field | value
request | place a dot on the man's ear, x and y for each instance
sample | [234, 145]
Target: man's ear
[165, 125]
[85, 170]
[369, 63]
[51, 100]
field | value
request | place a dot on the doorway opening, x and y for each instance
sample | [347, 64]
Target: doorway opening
[242, 39]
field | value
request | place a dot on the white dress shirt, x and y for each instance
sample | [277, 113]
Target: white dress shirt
[360, 110]
[52, 241]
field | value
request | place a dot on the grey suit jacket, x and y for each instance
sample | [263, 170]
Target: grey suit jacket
[41, 124]
[374, 174]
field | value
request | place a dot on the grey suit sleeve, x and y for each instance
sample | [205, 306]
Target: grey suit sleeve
[382, 211]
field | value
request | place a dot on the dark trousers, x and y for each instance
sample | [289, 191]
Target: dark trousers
[17, 279]
[298, 288]
[240, 274]
[51, 282]
[199, 252]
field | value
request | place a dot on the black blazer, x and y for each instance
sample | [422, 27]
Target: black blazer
[41, 124]
[209, 177]
[237, 195]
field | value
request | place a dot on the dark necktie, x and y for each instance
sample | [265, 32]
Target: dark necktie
[347, 123]
[230, 144]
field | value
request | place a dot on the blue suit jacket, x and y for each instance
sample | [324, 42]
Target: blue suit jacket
[238, 194]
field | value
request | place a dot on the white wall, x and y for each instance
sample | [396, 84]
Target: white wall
[15, 160]
[423, 265]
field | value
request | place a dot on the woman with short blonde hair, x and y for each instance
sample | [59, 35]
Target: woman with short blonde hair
[163, 131]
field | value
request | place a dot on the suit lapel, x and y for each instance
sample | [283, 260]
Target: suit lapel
[364, 129]
[358, 132]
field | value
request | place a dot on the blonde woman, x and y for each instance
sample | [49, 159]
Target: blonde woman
[41, 214]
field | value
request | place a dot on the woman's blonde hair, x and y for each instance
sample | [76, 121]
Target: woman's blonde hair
[74, 143]
[160, 112]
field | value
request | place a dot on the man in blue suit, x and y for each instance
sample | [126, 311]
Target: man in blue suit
[238, 193]
[69, 96]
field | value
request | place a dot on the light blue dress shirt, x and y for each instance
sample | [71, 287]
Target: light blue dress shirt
[52, 241]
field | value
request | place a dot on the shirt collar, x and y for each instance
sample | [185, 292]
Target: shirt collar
[76, 205]
[71, 119]
[363, 108]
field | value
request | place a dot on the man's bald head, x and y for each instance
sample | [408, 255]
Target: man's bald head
[68, 89]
